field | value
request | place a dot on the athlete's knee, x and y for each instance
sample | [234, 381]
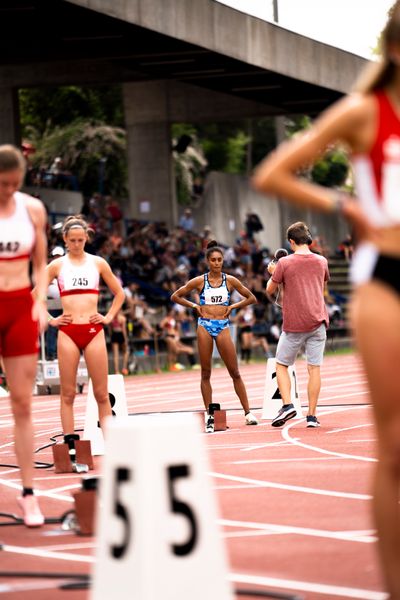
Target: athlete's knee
[68, 396]
[101, 396]
[313, 369]
[21, 407]
[389, 451]
[234, 373]
[205, 374]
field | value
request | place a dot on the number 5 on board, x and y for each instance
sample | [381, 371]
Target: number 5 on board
[157, 531]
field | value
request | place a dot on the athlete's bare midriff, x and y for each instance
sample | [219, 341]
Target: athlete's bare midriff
[213, 312]
[80, 306]
[14, 275]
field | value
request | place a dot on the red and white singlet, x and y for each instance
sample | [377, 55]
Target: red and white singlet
[17, 233]
[377, 173]
[377, 179]
[78, 279]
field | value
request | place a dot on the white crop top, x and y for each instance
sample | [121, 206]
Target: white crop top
[17, 233]
[78, 279]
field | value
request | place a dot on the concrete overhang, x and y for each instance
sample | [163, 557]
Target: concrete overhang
[197, 42]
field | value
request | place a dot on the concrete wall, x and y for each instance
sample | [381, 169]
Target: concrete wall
[224, 204]
[227, 199]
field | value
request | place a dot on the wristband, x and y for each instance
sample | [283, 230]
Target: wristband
[194, 305]
[339, 199]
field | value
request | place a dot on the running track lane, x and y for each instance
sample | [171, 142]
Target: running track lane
[294, 503]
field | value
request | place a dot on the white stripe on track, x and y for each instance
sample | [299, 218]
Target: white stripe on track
[29, 551]
[291, 488]
[296, 442]
[347, 536]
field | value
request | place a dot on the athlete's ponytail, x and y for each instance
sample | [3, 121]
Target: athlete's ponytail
[212, 246]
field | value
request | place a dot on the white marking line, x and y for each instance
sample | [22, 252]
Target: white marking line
[347, 536]
[63, 488]
[63, 547]
[46, 554]
[29, 587]
[306, 586]
[16, 486]
[279, 460]
[267, 445]
[292, 488]
[349, 428]
[296, 442]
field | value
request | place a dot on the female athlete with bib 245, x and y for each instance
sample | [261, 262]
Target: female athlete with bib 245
[214, 289]
[80, 325]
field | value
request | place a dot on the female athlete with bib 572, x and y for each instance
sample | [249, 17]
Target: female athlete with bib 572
[80, 325]
[22, 238]
[214, 289]
[368, 123]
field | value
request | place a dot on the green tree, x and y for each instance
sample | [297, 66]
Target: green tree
[82, 145]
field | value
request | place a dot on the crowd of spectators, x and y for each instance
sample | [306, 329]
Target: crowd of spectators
[152, 260]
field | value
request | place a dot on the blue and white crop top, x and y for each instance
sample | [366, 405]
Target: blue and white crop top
[214, 296]
[17, 233]
[78, 279]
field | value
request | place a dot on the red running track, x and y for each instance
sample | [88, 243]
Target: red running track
[294, 502]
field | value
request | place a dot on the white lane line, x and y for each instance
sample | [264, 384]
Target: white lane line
[16, 486]
[279, 460]
[306, 586]
[64, 488]
[349, 428]
[267, 445]
[64, 547]
[296, 442]
[292, 488]
[30, 587]
[347, 536]
[29, 551]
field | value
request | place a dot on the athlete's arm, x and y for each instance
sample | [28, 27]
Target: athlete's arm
[349, 121]
[248, 296]
[178, 296]
[38, 216]
[115, 288]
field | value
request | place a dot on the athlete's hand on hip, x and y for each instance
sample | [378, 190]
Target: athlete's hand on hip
[64, 319]
[99, 319]
[364, 229]
[227, 312]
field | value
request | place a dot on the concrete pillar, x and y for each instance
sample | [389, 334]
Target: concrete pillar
[9, 116]
[151, 178]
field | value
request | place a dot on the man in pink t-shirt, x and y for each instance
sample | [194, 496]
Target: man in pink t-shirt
[301, 278]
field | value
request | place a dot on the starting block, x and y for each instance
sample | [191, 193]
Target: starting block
[85, 506]
[65, 462]
[219, 417]
[157, 507]
[272, 397]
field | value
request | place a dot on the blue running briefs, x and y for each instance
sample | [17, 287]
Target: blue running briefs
[213, 326]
